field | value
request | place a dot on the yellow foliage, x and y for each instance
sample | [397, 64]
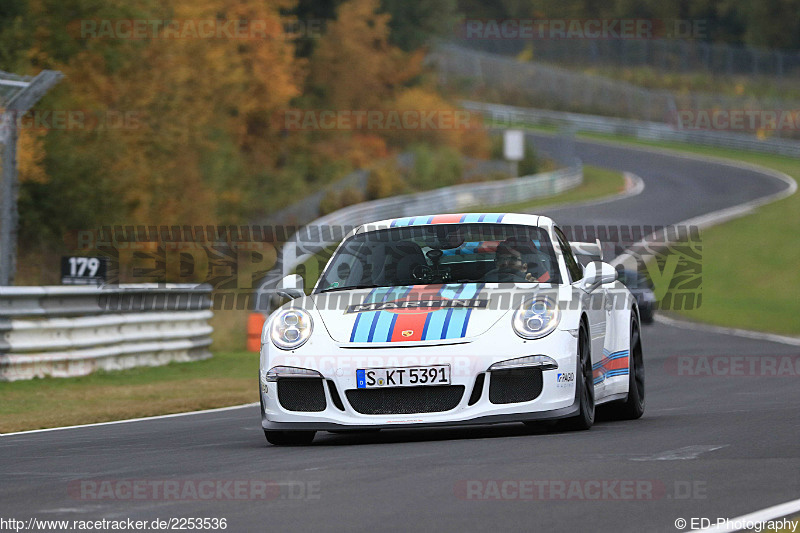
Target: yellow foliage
[181, 90]
[468, 136]
[354, 62]
[365, 149]
[385, 180]
[199, 142]
[30, 157]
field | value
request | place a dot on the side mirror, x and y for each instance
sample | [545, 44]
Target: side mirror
[597, 273]
[291, 287]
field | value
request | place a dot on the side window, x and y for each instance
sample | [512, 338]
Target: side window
[575, 269]
[349, 267]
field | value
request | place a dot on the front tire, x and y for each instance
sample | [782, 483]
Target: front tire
[289, 438]
[585, 383]
[633, 406]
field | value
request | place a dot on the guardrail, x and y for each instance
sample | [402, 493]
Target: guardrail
[657, 131]
[562, 89]
[662, 55]
[73, 331]
[330, 229]
[306, 210]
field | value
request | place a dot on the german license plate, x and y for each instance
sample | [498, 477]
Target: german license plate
[410, 376]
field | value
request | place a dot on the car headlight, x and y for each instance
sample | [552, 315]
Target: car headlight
[536, 318]
[291, 328]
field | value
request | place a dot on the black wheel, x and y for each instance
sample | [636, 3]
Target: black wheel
[289, 438]
[633, 406]
[585, 384]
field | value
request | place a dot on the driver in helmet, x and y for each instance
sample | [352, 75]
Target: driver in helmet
[512, 261]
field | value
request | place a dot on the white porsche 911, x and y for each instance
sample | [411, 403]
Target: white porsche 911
[449, 320]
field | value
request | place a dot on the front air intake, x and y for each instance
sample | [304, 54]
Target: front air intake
[301, 394]
[515, 385]
[405, 400]
[477, 389]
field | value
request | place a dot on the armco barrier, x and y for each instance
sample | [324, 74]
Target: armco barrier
[653, 131]
[73, 331]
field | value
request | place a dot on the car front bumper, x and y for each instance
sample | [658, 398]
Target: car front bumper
[467, 357]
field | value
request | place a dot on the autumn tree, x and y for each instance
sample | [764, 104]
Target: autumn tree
[354, 66]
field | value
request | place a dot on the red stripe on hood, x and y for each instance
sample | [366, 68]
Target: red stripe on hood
[409, 322]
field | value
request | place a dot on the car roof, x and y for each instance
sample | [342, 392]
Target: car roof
[458, 218]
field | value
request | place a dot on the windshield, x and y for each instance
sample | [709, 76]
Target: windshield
[442, 253]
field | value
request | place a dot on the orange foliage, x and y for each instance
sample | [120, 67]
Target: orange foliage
[30, 157]
[366, 149]
[468, 137]
[354, 64]
[180, 91]
[198, 147]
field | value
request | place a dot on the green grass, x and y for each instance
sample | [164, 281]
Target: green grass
[225, 379]
[597, 183]
[751, 278]
[792, 528]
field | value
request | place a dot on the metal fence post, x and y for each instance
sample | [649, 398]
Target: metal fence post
[8, 197]
[20, 101]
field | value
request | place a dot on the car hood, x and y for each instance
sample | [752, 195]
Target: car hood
[418, 314]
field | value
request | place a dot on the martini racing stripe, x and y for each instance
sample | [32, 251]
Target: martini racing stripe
[358, 318]
[458, 319]
[612, 364]
[436, 325]
[448, 219]
[408, 327]
[388, 326]
[377, 326]
[381, 323]
[366, 324]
